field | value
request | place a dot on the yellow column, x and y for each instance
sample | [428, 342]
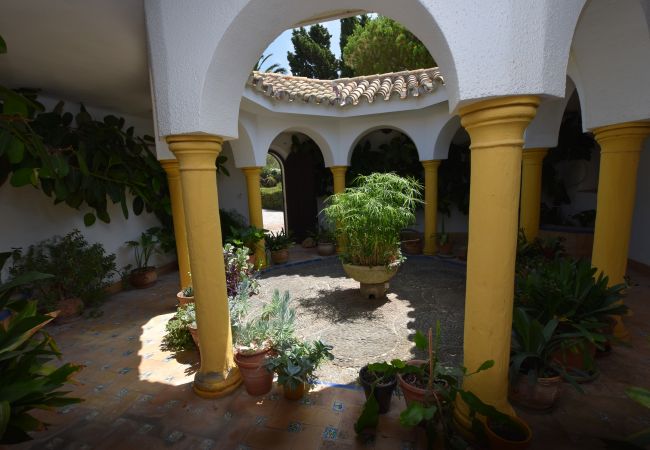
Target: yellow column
[496, 129]
[531, 191]
[430, 205]
[338, 173]
[255, 208]
[620, 149]
[196, 155]
[178, 217]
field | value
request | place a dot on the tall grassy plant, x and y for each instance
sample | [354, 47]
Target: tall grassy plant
[370, 216]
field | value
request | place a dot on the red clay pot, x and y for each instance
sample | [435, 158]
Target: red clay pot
[182, 300]
[413, 393]
[500, 442]
[69, 308]
[540, 396]
[294, 393]
[195, 337]
[257, 380]
[280, 256]
[143, 278]
[579, 356]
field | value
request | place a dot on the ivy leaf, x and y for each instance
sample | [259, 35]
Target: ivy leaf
[14, 104]
[89, 219]
[103, 216]
[486, 365]
[416, 413]
[3, 49]
[420, 340]
[369, 417]
[16, 151]
[22, 177]
[138, 205]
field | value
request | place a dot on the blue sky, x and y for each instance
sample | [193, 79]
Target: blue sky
[282, 44]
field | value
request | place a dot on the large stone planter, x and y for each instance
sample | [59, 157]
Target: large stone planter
[373, 279]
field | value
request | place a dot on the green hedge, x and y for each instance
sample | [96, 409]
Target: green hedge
[272, 198]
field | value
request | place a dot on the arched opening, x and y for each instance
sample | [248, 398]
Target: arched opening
[273, 194]
[570, 182]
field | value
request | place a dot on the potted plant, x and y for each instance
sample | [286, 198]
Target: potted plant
[144, 275]
[249, 238]
[434, 408]
[583, 302]
[369, 218]
[256, 339]
[295, 364]
[325, 242]
[181, 331]
[81, 272]
[411, 241]
[238, 269]
[185, 295]
[278, 243]
[379, 380]
[535, 377]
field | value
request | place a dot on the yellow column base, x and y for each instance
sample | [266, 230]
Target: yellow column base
[496, 128]
[213, 385]
[430, 205]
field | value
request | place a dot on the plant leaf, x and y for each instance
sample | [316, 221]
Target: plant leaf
[89, 219]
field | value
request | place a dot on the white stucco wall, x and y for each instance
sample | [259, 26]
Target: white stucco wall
[640, 239]
[201, 56]
[30, 216]
[233, 193]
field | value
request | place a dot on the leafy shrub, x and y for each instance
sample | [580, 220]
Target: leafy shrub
[370, 216]
[27, 380]
[268, 182]
[238, 269]
[230, 220]
[177, 331]
[80, 269]
[273, 198]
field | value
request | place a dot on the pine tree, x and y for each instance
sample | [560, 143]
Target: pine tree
[312, 56]
[382, 46]
[347, 28]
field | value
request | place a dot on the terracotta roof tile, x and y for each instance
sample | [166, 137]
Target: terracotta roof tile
[346, 91]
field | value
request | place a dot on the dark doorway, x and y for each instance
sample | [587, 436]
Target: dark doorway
[306, 179]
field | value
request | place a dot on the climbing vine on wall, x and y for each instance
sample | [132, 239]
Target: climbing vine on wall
[78, 160]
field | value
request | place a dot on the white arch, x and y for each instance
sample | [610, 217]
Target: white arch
[243, 148]
[201, 55]
[269, 135]
[367, 131]
[544, 129]
[445, 136]
[610, 62]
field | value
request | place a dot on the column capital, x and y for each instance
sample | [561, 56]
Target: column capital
[622, 137]
[251, 170]
[195, 151]
[534, 155]
[170, 166]
[431, 163]
[339, 169]
[498, 122]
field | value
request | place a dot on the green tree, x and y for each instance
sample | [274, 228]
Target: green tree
[312, 56]
[347, 28]
[273, 68]
[382, 46]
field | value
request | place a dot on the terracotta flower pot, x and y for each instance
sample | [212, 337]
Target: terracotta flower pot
[280, 256]
[503, 438]
[69, 308]
[252, 259]
[445, 249]
[257, 380]
[294, 393]
[326, 248]
[183, 300]
[540, 395]
[578, 357]
[143, 278]
[411, 392]
[195, 337]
